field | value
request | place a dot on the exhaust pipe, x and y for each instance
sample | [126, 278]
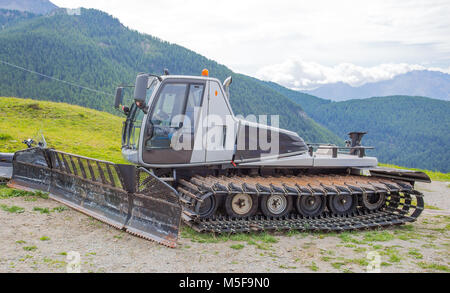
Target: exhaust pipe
[356, 138]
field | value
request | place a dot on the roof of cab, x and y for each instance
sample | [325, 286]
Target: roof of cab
[188, 77]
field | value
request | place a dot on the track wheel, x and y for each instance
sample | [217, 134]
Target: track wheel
[241, 205]
[310, 205]
[276, 205]
[341, 204]
[208, 207]
[373, 201]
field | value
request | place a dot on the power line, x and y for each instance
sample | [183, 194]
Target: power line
[54, 78]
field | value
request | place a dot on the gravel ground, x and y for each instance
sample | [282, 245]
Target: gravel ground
[40, 240]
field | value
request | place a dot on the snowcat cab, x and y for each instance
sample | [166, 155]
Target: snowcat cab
[187, 121]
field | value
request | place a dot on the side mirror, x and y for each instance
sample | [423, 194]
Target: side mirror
[226, 85]
[119, 97]
[140, 90]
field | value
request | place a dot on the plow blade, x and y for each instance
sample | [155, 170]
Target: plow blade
[123, 196]
[156, 217]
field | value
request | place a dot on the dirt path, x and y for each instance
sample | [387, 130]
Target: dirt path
[38, 236]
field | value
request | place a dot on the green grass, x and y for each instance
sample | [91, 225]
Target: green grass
[41, 210]
[337, 265]
[44, 238]
[237, 246]
[395, 258]
[392, 253]
[12, 209]
[433, 266]
[313, 267]
[434, 175]
[359, 249]
[6, 192]
[360, 261]
[378, 236]
[5, 137]
[430, 207]
[251, 238]
[348, 237]
[413, 252]
[377, 246]
[326, 258]
[29, 248]
[64, 127]
[60, 209]
[407, 233]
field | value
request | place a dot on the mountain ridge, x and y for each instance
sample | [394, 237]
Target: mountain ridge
[426, 83]
[405, 130]
[10, 17]
[34, 6]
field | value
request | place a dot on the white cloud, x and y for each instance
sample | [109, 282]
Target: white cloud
[299, 74]
[253, 34]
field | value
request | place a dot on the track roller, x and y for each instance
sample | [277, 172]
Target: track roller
[341, 204]
[373, 201]
[208, 207]
[310, 205]
[241, 205]
[276, 205]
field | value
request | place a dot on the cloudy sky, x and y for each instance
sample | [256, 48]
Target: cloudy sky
[300, 44]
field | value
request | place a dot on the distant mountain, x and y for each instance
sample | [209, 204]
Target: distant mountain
[425, 83]
[405, 130]
[308, 102]
[95, 50]
[34, 6]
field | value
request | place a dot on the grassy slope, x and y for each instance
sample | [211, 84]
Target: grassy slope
[74, 129]
[66, 127]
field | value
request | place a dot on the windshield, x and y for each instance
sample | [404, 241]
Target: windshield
[133, 125]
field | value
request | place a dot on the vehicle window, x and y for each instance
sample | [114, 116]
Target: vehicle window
[194, 100]
[169, 105]
[138, 115]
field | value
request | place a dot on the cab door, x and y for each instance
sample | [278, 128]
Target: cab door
[168, 132]
[221, 125]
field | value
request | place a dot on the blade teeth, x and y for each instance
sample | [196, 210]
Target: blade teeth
[168, 244]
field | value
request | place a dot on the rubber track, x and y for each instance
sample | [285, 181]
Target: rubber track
[403, 203]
